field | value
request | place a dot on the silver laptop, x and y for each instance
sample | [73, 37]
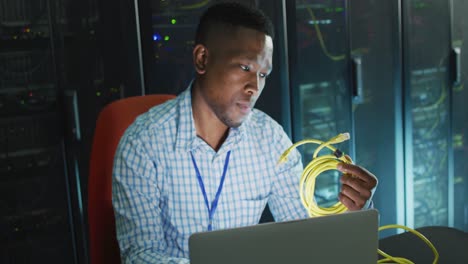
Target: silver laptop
[351, 237]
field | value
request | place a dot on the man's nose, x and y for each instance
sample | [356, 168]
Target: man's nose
[253, 86]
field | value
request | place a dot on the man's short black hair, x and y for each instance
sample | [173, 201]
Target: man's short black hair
[231, 14]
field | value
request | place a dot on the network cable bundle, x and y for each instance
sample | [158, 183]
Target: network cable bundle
[320, 164]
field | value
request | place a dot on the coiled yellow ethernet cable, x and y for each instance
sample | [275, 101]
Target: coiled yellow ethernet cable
[314, 168]
[330, 162]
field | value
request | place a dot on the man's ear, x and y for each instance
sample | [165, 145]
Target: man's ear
[200, 58]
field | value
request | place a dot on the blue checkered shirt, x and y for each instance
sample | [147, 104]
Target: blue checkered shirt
[158, 201]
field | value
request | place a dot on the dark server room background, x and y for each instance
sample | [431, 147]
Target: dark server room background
[392, 73]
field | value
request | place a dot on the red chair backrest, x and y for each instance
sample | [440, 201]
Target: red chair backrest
[110, 126]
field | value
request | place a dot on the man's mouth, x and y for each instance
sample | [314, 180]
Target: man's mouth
[245, 107]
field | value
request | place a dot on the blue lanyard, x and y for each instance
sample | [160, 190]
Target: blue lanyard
[214, 203]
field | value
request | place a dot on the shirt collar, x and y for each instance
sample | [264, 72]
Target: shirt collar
[186, 135]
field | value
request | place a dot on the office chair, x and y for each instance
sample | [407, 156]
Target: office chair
[110, 126]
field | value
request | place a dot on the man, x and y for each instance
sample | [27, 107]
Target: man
[207, 160]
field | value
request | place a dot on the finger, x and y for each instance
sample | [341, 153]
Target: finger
[358, 172]
[348, 158]
[346, 201]
[358, 185]
[353, 195]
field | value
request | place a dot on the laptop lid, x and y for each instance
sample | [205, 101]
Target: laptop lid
[351, 237]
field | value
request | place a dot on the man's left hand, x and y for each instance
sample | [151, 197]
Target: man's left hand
[357, 186]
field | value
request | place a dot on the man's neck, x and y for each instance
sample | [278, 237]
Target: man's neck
[207, 124]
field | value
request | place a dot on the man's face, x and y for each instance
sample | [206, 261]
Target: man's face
[236, 69]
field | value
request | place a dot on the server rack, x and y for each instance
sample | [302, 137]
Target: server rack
[36, 217]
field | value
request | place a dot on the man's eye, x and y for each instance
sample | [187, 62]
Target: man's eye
[245, 67]
[262, 75]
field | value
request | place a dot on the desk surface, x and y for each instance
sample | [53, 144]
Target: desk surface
[451, 244]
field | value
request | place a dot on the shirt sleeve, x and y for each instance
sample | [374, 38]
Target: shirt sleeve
[284, 201]
[370, 203]
[135, 198]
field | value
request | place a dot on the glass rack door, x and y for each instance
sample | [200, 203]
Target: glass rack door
[375, 44]
[427, 89]
[321, 97]
[169, 67]
[460, 114]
